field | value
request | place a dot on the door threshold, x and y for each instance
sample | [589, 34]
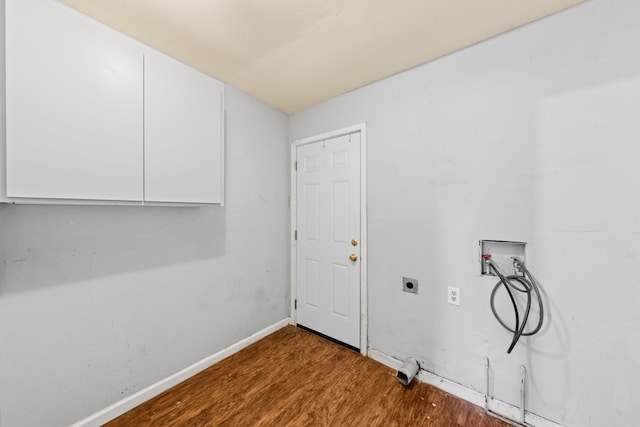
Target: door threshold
[333, 340]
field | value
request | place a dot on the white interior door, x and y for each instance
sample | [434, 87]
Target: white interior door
[328, 242]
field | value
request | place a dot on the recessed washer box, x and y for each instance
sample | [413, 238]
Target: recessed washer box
[502, 254]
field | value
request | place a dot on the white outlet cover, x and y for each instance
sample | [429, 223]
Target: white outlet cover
[453, 295]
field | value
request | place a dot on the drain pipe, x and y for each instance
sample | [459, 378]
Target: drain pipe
[522, 422]
[408, 371]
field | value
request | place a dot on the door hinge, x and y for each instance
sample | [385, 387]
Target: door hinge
[295, 165]
[295, 304]
[295, 234]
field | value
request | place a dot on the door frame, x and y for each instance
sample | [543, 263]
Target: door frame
[361, 128]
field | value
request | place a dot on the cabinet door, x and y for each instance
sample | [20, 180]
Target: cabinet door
[74, 106]
[183, 127]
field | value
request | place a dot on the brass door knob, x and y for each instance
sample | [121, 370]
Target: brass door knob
[353, 257]
[354, 242]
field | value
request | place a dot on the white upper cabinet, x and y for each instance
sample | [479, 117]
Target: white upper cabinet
[93, 116]
[73, 104]
[183, 148]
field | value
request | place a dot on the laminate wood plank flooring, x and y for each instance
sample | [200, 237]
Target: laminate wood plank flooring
[295, 378]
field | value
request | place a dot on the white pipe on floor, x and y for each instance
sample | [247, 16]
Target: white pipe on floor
[408, 371]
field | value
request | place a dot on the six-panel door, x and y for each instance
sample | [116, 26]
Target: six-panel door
[328, 250]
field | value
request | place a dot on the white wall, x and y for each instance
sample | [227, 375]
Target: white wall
[531, 136]
[99, 302]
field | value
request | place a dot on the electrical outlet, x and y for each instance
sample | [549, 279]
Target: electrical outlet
[453, 295]
[410, 285]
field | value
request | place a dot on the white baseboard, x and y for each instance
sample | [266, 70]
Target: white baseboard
[109, 413]
[503, 408]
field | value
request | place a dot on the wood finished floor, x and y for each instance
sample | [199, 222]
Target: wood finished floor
[294, 378]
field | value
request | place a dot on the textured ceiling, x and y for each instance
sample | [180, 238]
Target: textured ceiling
[292, 54]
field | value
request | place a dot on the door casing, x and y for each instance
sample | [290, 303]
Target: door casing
[361, 128]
